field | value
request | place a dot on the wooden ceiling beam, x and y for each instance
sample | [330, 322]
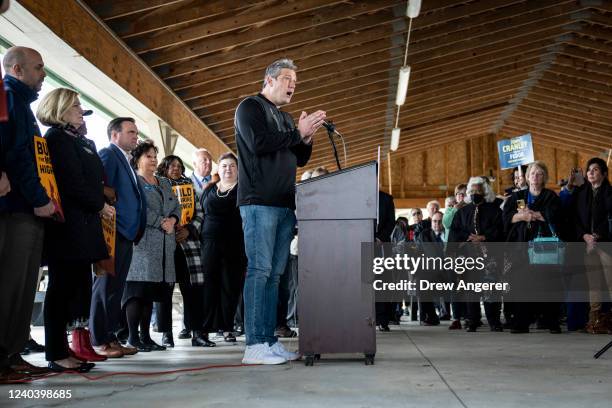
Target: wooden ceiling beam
[286, 33]
[567, 86]
[210, 66]
[567, 136]
[555, 123]
[561, 81]
[562, 140]
[603, 79]
[197, 64]
[467, 90]
[414, 91]
[592, 45]
[421, 142]
[226, 119]
[363, 81]
[238, 54]
[586, 53]
[284, 14]
[178, 14]
[442, 105]
[508, 27]
[327, 71]
[599, 107]
[304, 61]
[90, 39]
[108, 10]
[566, 109]
[334, 69]
[435, 128]
[583, 65]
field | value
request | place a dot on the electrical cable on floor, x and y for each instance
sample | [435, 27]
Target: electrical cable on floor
[435, 369]
[132, 373]
[139, 373]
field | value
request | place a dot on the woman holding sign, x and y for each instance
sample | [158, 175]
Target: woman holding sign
[224, 259]
[73, 245]
[187, 257]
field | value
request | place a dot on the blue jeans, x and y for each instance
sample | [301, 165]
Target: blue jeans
[267, 235]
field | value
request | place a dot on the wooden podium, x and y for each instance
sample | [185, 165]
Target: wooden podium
[336, 213]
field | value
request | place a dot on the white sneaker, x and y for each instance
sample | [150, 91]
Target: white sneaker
[261, 354]
[280, 350]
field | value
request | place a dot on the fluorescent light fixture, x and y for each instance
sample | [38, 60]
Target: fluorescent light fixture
[395, 134]
[402, 85]
[414, 7]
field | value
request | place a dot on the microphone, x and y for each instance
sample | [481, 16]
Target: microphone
[330, 127]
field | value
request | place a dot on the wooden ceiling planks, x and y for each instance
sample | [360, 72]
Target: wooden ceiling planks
[477, 65]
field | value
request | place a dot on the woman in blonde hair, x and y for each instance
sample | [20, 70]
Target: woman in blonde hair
[529, 213]
[73, 245]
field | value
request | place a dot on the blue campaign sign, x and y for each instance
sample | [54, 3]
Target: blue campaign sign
[515, 152]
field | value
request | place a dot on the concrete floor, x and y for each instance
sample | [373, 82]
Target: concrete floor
[415, 367]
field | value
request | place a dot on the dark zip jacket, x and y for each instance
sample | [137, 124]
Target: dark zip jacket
[17, 150]
[269, 150]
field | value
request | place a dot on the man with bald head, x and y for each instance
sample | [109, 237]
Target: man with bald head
[21, 211]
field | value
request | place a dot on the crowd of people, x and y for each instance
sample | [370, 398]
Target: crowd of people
[237, 246]
[580, 213]
[227, 253]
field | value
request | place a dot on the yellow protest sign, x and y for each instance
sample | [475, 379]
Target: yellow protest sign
[46, 175]
[186, 197]
[109, 228]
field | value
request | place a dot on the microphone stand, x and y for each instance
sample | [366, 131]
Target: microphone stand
[603, 350]
[330, 133]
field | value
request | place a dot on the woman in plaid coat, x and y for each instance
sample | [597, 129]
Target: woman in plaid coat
[187, 260]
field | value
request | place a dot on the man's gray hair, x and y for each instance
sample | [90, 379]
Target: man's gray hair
[274, 68]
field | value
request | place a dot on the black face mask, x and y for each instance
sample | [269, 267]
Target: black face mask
[477, 198]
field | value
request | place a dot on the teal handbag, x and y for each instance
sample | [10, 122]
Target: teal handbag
[546, 250]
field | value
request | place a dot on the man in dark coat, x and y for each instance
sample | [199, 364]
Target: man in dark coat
[21, 227]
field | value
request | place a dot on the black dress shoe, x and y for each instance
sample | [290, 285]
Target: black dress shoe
[139, 347]
[32, 346]
[497, 328]
[471, 328]
[230, 338]
[202, 341]
[555, 329]
[184, 334]
[168, 339]
[152, 345]
[384, 328]
[82, 368]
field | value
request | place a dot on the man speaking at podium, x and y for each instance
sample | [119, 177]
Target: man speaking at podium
[270, 147]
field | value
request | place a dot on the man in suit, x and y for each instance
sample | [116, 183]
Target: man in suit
[385, 311]
[431, 242]
[105, 317]
[202, 165]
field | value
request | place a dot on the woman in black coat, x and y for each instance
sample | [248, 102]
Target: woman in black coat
[593, 223]
[527, 213]
[478, 221]
[73, 245]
